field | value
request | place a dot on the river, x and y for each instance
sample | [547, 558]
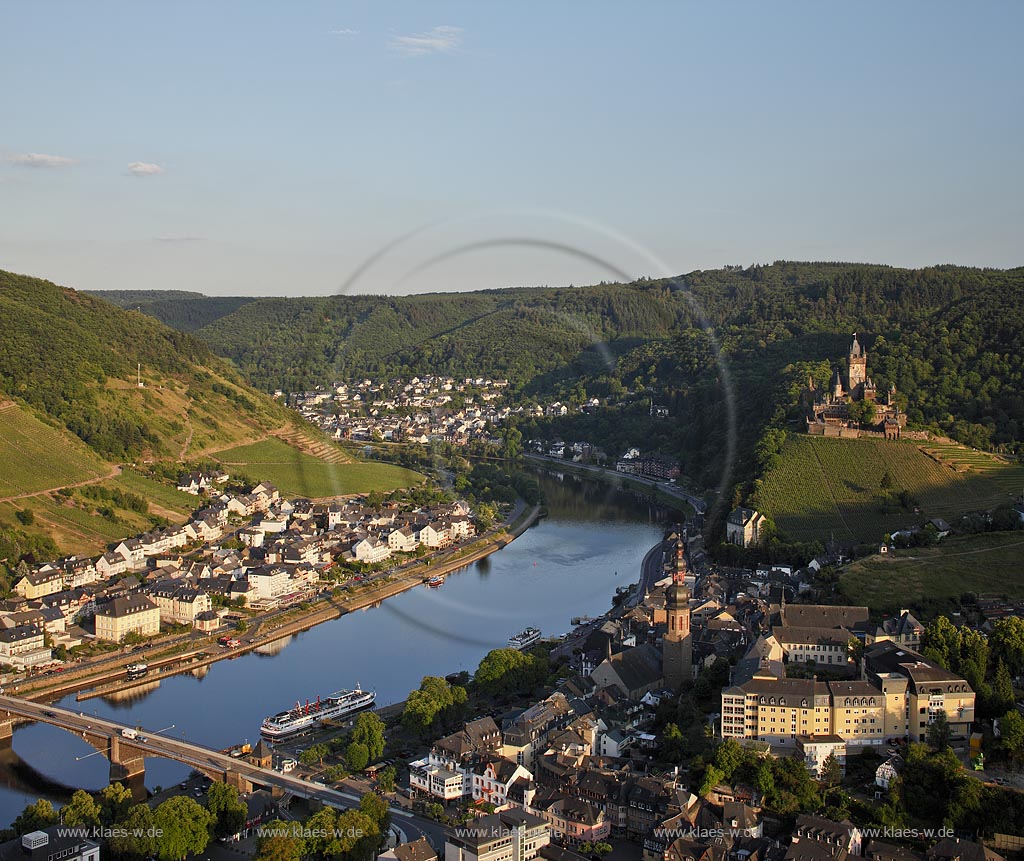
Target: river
[569, 564]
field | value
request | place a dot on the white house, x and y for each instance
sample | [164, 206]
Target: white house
[370, 550]
[131, 550]
[491, 780]
[888, 771]
[815, 749]
[434, 535]
[268, 581]
[402, 540]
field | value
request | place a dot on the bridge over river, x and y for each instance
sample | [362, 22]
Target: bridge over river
[127, 753]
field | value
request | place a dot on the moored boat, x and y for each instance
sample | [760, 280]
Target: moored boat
[524, 639]
[304, 717]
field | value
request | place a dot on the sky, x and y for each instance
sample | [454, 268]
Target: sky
[252, 148]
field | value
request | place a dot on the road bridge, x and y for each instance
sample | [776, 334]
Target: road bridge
[127, 753]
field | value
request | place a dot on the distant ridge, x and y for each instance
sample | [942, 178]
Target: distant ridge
[180, 309]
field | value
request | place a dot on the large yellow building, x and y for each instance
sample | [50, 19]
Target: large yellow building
[921, 689]
[127, 614]
[900, 696]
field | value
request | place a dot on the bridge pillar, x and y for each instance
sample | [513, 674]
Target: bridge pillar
[6, 731]
[239, 781]
[127, 763]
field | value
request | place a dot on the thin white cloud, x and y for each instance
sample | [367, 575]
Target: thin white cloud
[41, 160]
[439, 40]
[144, 168]
[345, 31]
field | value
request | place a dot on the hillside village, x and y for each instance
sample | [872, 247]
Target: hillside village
[244, 548]
[418, 410]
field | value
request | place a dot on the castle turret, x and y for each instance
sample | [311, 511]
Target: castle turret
[837, 386]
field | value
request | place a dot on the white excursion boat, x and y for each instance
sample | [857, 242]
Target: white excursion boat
[304, 717]
[524, 639]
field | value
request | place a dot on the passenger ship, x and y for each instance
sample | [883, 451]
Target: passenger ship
[304, 717]
[524, 639]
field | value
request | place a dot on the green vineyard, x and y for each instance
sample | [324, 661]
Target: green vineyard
[987, 564]
[35, 456]
[822, 487]
[299, 474]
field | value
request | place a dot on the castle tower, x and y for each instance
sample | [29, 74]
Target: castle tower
[837, 386]
[858, 372]
[677, 647]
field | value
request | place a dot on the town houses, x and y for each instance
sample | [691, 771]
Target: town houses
[419, 410]
[581, 765]
[244, 546]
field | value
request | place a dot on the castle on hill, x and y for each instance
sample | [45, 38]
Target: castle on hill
[831, 413]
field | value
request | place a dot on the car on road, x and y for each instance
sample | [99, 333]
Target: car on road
[49, 714]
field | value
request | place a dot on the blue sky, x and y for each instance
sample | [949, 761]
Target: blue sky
[275, 148]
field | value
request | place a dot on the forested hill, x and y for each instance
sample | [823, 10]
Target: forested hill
[179, 309]
[74, 359]
[950, 338]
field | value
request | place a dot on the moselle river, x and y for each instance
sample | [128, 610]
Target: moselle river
[569, 564]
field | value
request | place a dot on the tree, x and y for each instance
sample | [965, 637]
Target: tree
[831, 771]
[369, 730]
[673, 744]
[115, 801]
[377, 809]
[712, 777]
[357, 756]
[35, 817]
[941, 643]
[435, 701]
[314, 754]
[386, 779]
[1002, 690]
[728, 756]
[886, 482]
[320, 830]
[938, 731]
[280, 841]
[512, 442]
[136, 837]
[765, 780]
[1006, 643]
[1011, 725]
[228, 810]
[358, 835]
[184, 828]
[82, 810]
[505, 671]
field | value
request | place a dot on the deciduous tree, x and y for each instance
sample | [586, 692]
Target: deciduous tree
[184, 828]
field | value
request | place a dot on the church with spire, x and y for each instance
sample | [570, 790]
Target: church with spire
[677, 644]
[830, 412]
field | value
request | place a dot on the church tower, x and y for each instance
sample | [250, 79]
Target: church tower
[858, 373]
[677, 647]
